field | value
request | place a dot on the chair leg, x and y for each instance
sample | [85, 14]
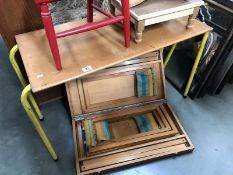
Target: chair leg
[50, 32]
[89, 11]
[195, 65]
[126, 21]
[22, 80]
[36, 123]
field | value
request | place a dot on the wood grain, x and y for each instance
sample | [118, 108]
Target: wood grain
[131, 155]
[116, 87]
[168, 129]
[138, 152]
[134, 147]
[73, 97]
[17, 18]
[100, 49]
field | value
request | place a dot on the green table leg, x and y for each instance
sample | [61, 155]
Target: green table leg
[23, 81]
[24, 100]
[197, 60]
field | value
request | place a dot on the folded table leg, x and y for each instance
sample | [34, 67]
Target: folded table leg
[36, 123]
[195, 65]
[23, 81]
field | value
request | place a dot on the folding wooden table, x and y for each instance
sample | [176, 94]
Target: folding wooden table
[90, 52]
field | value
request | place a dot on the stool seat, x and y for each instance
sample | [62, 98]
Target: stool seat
[156, 11]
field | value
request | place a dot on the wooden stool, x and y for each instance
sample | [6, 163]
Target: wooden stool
[52, 36]
[152, 12]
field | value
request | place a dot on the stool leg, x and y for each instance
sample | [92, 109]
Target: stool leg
[89, 11]
[139, 27]
[32, 117]
[126, 21]
[50, 32]
[192, 17]
[22, 80]
[195, 65]
[169, 55]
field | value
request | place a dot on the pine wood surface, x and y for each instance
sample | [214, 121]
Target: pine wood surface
[99, 49]
[140, 149]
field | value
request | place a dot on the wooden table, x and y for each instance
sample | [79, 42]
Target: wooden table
[99, 49]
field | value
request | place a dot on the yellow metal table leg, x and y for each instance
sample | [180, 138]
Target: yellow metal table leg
[197, 60]
[36, 123]
[35, 106]
[15, 65]
[169, 55]
[23, 81]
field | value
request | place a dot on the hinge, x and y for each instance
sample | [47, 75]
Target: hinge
[91, 114]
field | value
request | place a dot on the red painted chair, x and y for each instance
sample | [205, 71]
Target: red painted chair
[52, 36]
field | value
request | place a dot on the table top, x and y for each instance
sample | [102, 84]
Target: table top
[151, 8]
[99, 49]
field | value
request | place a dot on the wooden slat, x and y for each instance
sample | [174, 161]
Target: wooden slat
[81, 95]
[170, 16]
[78, 151]
[169, 118]
[80, 140]
[157, 131]
[162, 119]
[152, 56]
[100, 49]
[178, 124]
[104, 90]
[130, 155]
[73, 97]
[150, 157]
[127, 155]
[168, 131]
[163, 74]
[133, 147]
[129, 142]
[119, 69]
[159, 120]
[137, 152]
[126, 112]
